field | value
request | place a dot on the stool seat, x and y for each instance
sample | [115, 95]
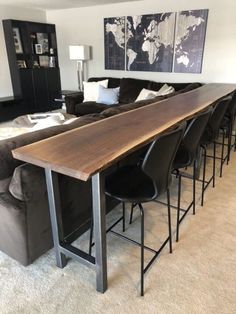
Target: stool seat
[130, 184]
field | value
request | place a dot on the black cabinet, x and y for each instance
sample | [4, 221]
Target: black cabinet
[33, 62]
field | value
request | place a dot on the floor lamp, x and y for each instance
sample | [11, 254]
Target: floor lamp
[80, 54]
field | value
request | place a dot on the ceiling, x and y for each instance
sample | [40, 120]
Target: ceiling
[57, 4]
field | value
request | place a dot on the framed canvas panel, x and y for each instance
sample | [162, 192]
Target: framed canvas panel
[150, 42]
[190, 40]
[114, 43]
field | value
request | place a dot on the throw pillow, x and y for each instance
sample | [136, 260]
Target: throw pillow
[149, 94]
[108, 96]
[165, 90]
[146, 94]
[91, 90]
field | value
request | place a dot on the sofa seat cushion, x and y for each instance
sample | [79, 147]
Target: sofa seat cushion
[4, 185]
[89, 107]
[130, 89]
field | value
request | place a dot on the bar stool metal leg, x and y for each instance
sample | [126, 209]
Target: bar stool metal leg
[222, 154]
[204, 175]
[178, 207]
[91, 238]
[214, 164]
[142, 249]
[169, 220]
[194, 186]
[131, 213]
[123, 220]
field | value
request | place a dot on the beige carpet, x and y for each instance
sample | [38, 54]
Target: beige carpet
[199, 277]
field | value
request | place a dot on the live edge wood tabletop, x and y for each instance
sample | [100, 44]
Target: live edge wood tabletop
[82, 152]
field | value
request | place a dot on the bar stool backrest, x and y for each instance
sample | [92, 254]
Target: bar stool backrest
[232, 107]
[194, 132]
[217, 116]
[157, 163]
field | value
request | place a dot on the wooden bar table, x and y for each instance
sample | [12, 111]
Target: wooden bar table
[87, 151]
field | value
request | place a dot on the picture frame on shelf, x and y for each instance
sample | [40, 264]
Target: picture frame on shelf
[38, 49]
[43, 61]
[17, 40]
[42, 39]
[21, 64]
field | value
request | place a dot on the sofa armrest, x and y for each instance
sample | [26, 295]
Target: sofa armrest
[72, 100]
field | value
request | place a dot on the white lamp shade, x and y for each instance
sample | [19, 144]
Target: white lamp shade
[79, 52]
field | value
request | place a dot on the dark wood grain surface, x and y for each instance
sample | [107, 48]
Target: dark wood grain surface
[84, 151]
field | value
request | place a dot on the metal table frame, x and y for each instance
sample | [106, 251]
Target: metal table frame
[64, 250]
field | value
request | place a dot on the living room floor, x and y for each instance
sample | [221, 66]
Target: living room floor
[199, 277]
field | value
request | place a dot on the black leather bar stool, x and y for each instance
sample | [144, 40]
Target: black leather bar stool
[210, 136]
[227, 128]
[137, 184]
[186, 155]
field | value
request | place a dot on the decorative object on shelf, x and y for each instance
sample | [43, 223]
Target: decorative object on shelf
[52, 62]
[42, 39]
[114, 34]
[189, 41]
[21, 64]
[38, 49]
[156, 42]
[80, 54]
[17, 40]
[44, 61]
[36, 64]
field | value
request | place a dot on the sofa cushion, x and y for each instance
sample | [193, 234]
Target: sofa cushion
[157, 85]
[4, 184]
[89, 107]
[108, 96]
[127, 107]
[113, 82]
[26, 181]
[8, 163]
[91, 90]
[146, 94]
[190, 87]
[130, 89]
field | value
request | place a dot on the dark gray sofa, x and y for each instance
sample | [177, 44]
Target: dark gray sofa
[25, 229]
[129, 91]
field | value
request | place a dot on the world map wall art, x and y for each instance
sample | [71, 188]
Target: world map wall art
[165, 42]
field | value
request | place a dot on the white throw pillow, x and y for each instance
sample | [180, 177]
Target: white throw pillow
[149, 94]
[108, 96]
[91, 89]
[165, 90]
[146, 94]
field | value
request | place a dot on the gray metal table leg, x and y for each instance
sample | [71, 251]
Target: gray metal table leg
[55, 215]
[99, 217]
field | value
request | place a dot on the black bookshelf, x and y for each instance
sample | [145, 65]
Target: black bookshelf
[33, 63]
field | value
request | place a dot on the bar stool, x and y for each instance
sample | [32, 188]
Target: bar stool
[209, 136]
[137, 184]
[227, 128]
[187, 155]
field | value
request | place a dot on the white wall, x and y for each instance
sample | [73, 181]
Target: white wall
[17, 14]
[85, 26]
